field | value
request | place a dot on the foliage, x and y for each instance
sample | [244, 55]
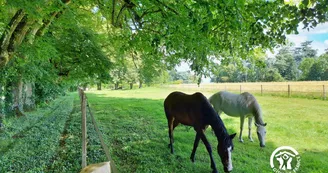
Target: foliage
[286, 64]
[305, 67]
[183, 77]
[318, 70]
[30, 143]
[305, 51]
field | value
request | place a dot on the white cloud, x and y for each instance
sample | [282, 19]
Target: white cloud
[326, 42]
[297, 39]
[320, 46]
[321, 28]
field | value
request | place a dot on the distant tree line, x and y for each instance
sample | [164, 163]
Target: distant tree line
[289, 64]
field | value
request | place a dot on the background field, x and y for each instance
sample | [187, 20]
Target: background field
[136, 129]
[305, 89]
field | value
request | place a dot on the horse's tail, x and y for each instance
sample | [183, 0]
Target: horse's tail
[166, 109]
[167, 113]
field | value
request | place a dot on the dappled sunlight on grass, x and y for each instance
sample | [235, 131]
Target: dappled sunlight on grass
[135, 127]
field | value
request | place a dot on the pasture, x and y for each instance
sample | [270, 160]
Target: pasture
[303, 89]
[135, 129]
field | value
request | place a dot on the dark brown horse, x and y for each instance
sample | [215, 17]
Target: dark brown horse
[195, 110]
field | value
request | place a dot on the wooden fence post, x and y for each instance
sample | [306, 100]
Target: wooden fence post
[84, 128]
[288, 90]
[324, 92]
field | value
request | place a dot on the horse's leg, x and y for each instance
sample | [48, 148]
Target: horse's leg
[250, 128]
[175, 123]
[170, 124]
[242, 118]
[209, 149]
[196, 142]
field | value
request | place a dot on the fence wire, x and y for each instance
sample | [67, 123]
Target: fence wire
[317, 91]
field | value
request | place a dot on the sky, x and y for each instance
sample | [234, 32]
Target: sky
[318, 36]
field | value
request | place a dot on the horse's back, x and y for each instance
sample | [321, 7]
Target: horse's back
[184, 108]
[178, 101]
[230, 103]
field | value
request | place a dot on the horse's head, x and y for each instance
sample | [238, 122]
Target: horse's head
[261, 132]
[225, 148]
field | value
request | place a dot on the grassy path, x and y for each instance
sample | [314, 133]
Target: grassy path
[28, 143]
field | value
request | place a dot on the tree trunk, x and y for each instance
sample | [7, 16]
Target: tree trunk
[116, 86]
[6, 36]
[99, 86]
[1, 101]
[1, 105]
[17, 92]
[131, 86]
[84, 87]
[140, 83]
[28, 99]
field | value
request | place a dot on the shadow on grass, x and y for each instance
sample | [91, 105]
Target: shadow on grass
[136, 131]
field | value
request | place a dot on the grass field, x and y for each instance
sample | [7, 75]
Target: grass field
[135, 127]
[305, 89]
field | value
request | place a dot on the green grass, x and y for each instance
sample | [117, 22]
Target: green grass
[29, 143]
[135, 128]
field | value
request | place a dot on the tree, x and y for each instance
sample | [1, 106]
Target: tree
[305, 67]
[161, 33]
[272, 75]
[305, 51]
[285, 63]
[318, 70]
[184, 76]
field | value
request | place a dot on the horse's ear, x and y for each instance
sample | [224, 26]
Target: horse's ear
[256, 125]
[265, 124]
[233, 135]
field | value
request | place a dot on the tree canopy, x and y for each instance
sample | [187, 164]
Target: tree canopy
[61, 43]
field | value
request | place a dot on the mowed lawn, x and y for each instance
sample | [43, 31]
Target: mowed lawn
[135, 129]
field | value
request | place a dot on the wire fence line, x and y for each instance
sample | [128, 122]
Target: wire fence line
[308, 90]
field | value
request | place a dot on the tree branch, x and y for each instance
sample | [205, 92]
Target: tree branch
[53, 15]
[119, 14]
[169, 8]
[113, 12]
[133, 60]
[19, 34]
[6, 36]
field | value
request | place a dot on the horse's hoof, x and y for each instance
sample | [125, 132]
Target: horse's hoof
[251, 140]
[240, 140]
[215, 171]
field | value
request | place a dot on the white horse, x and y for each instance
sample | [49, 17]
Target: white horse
[244, 106]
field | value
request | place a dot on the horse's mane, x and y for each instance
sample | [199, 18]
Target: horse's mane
[250, 100]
